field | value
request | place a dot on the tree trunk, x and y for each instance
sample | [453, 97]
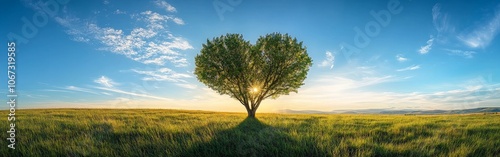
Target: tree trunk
[251, 109]
[251, 113]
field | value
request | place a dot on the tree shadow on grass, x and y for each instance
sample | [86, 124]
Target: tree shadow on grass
[253, 138]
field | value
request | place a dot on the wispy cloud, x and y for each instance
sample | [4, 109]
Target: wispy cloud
[328, 61]
[118, 11]
[401, 58]
[166, 74]
[425, 49]
[413, 67]
[162, 74]
[79, 89]
[483, 34]
[465, 54]
[131, 93]
[105, 81]
[186, 85]
[164, 5]
[107, 85]
[350, 78]
[440, 19]
[156, 20]
[334, 93]
[56, 90]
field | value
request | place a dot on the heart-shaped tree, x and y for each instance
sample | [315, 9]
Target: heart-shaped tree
[276, 65]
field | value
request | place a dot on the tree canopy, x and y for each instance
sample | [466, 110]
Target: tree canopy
[276, 65]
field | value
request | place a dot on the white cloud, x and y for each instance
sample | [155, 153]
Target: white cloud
[335, 93]
[156, 21]
[186, 85]
[153, 44]
[105, 89]
[165, 5]
[66, 22]
[178, 21]
[465, 54]
[414, 67]
[439, 19]
[75, 29]
[105, 81]
[401, 58]
[166, 74]
[118, 11]
[79, 89]
[163, 74]
[348, 78]
[328, 61]
[425, 49]
[56, 90]
[332, 91]
[81, 39]
[483, 34]
[132, 93]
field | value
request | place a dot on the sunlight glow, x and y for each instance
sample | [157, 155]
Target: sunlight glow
[255, 90]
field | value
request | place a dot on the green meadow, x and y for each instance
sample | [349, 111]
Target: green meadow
[158, 132]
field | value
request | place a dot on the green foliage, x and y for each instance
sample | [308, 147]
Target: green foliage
[150, 132]
[276, 65]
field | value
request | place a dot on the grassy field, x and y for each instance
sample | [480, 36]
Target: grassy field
[144, 132]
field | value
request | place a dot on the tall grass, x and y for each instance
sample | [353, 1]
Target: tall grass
[149, 132]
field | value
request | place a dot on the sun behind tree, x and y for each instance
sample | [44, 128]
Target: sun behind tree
[276, 65]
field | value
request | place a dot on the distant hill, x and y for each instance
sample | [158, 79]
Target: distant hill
[392, 111]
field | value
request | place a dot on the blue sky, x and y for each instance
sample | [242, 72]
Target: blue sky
[367, 54]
